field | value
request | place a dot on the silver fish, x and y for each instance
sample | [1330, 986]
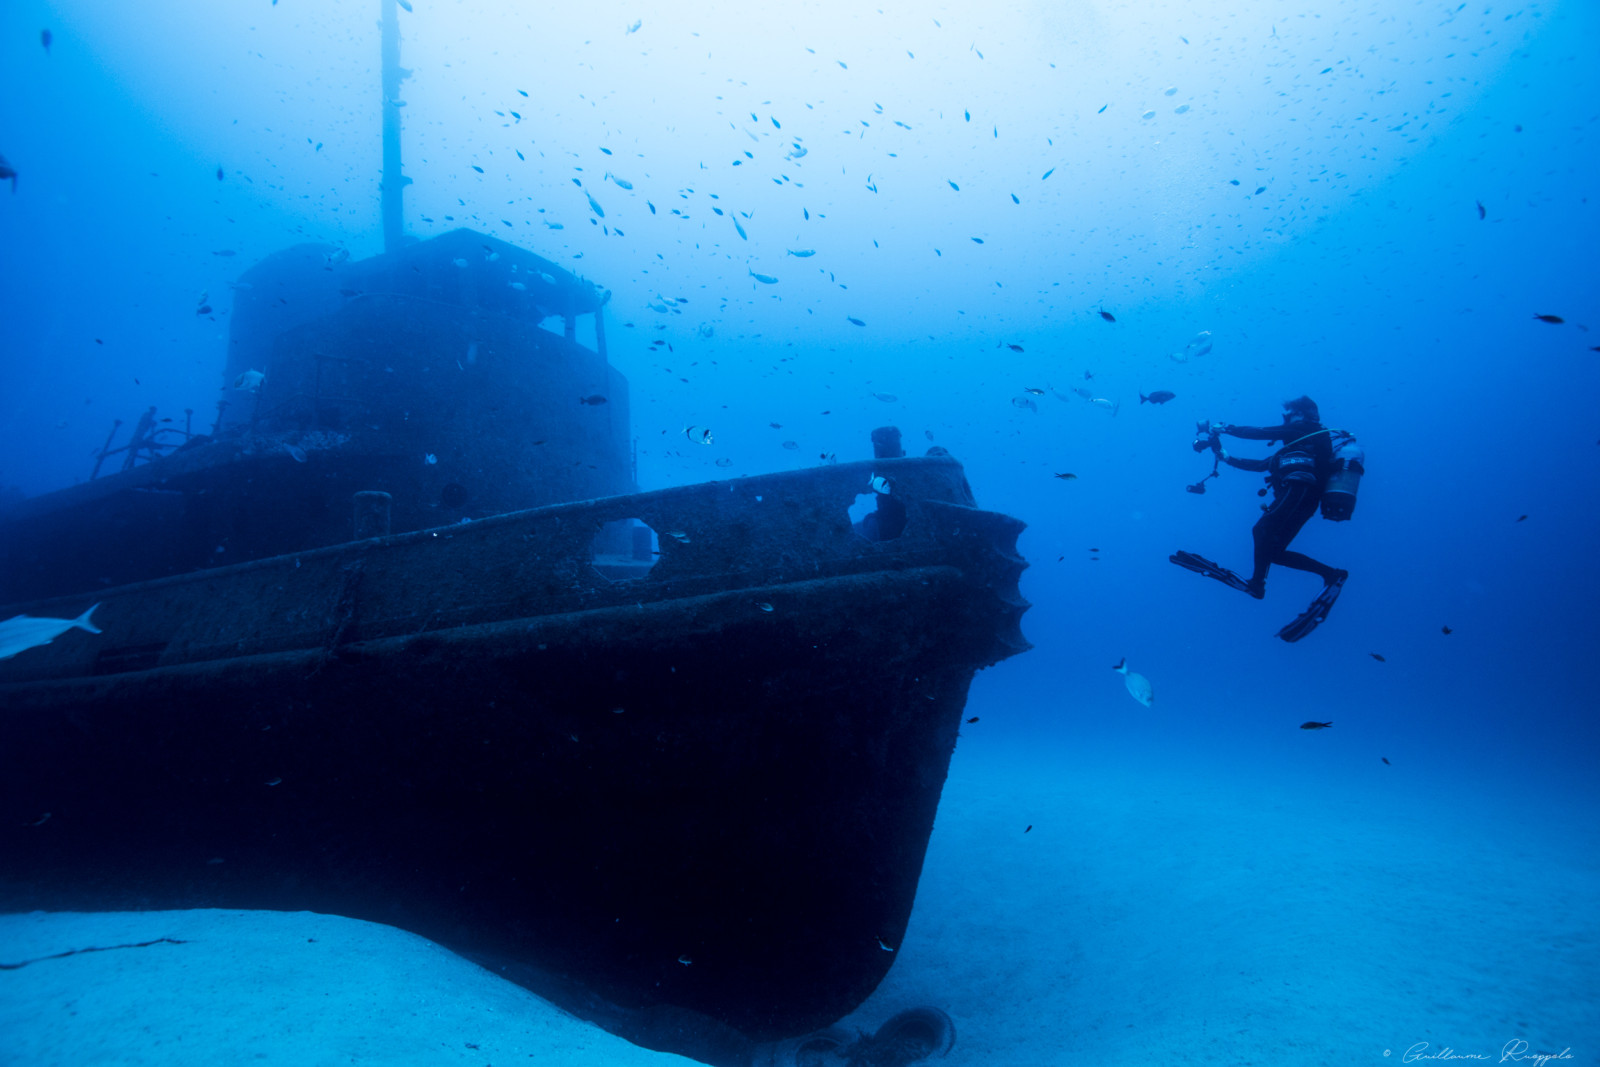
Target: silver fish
[1139, 687]
[22, 632]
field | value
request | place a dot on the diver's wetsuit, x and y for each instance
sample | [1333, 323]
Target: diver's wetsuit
[1297, 472]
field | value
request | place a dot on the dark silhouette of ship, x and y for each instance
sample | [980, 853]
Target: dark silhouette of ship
[399, 639]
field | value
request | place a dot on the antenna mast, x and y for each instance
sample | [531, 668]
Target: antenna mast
[394, 182]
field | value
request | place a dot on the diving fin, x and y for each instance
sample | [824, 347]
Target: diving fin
[1314, 615]
[1200, 565]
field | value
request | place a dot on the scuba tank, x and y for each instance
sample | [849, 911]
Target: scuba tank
[1344, 479]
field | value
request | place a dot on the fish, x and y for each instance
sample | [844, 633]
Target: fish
[1014, 348]
[618, 182]
[295, 453]
[1139, 687]
[203, 309]
[1315, 725]
[887, 398]
[1026, 403]
[953, 185]
[8, 171]
[1446, 630]
[766, 279]
[1014, 199]
[1377, 657]
[635, 27]
[594, 205]
[1178, 357]
[742, 235]
[854, 321]
[45, 37]
[594, 399]
[250, 381]
[1047, 173]
[1100, 401]
[972, 720]
[698, 434]
[1031, 391]
[1386, 762]
[802, 252]
[475, 167]
[22, 632]
[1554, 320]
[1108, 316]
[1522, 518]
[518, 286]
[880, 484]
[1068, 478]
[1160, 396]
[1482, 211]
[219, 174]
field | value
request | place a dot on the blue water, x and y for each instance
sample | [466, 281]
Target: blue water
[1416, 182]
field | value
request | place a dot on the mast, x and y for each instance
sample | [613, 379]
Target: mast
[394, 182]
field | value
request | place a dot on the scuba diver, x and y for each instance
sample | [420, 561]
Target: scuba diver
[1315, 465]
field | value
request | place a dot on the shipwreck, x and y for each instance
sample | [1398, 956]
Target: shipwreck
[399, 638]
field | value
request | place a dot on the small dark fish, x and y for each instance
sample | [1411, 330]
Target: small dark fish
[972, 720]
[1014, 199]
[1315, 725]
[45, 38]
[476, 168]
[1482, 211]
[1259, 190]
[1102, 110]
[1233, 181]
[1047, 173]
[1446, 630]
[1015, 348]
[855, 321]
[219, 174]
[203, 309]
[593, 398]
[1386, 762]
[8, 171]
[1108, 316]
[1160, 396]
[1377, 657]
[1072, 478]
[1554, 320]
[1521, 518]
[953, 185]
[1030, 827]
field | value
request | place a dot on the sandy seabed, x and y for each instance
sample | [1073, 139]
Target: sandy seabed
[1147, 917]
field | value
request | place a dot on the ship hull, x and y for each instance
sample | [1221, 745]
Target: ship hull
[691, 805]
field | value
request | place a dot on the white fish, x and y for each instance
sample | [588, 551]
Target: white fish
[764, 279]
[697, 434]
[22, 632]
[1101, 402]
[880, 484]
[1138, 685]
[463, 264]
[250, 381]
[1178, 357]
[518, 286]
